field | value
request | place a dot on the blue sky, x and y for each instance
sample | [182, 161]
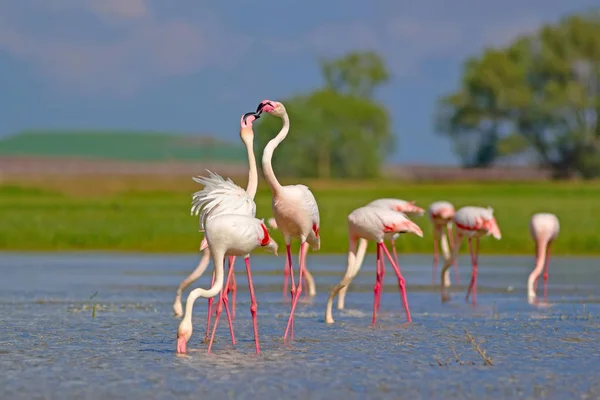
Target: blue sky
[195, 66]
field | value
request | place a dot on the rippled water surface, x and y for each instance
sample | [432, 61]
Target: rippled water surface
[52, 346]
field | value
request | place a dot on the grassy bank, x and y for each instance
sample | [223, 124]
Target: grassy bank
[145, 214]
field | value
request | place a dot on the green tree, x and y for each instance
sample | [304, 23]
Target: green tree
[540, 94]
[338, 130]
[357, 73]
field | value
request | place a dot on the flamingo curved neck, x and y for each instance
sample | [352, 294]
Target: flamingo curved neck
[207, 294]
[268, 154]
[252, 171]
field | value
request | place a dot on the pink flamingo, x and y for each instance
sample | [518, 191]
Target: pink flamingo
[220, 196]
[294, 206]
[408, 208]
[471, 222]
[441, 214]
[228, 235]
[544, 228]
[377, 224]
[310, 281]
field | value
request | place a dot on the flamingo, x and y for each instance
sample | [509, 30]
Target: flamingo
[220, 196]
[312, 290]
[294, 206]
[441, 214]
[544, 228]
[473, 223]
[408, 208]
[228, 235]
[373, 223]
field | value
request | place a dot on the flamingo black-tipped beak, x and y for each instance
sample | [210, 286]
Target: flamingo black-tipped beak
[256, 116]
[261, 105]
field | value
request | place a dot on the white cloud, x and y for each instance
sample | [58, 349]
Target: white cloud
[140, 51]
[118, 47]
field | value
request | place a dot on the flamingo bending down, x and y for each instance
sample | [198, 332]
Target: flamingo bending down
[228, 235]
[220, 196]
[294, 206]
[471, 222]
[372, 223]
[310, 281]
[441, 214]
[544, 228]
[407, 207]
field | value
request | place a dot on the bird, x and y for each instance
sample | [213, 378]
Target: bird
[408, 208]
[440, 214]
[223, 196]
[310, 281]
[294, 206]
[544, 228]
[227, 235]
[373, 223]
[473, 223]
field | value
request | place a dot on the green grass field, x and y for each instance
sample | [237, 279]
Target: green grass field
[125, 146]
[153, 216]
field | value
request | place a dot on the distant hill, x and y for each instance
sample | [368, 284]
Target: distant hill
[124, 146]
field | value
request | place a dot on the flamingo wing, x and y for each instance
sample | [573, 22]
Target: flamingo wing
[220, 196]
[310, 205]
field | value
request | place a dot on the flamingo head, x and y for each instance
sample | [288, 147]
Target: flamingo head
[184, 333]
[414, 228]
[407, 226]
[272, 246]
[246, 132]
[272, 107]
[267, 241]
[493, 228]
[411, 208]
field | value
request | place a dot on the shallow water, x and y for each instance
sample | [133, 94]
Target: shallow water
[52, 347]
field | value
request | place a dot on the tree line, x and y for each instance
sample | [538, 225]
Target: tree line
[535, 99]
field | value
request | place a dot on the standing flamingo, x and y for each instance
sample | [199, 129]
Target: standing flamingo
[408, 208]
[544, 228]
[441, 214]
[472, 222]
[228, 235]
[310, 281]
[373, 223]
[220, 196]
[294, 206]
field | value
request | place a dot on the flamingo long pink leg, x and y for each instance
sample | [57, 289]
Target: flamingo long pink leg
[218, 315]
[394, 252]
[210, 303]
[298, 291]
[291, 274]
[451, 242]
[377, 287]
[381, 282]
[381, 279]
[401, 281]
[436, 258]
[253, 305]
[547, 261]
[286, 278]
[225, 299]
[474, 256]
[232, 288]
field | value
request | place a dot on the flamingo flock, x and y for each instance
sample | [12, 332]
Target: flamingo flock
[227, 216]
